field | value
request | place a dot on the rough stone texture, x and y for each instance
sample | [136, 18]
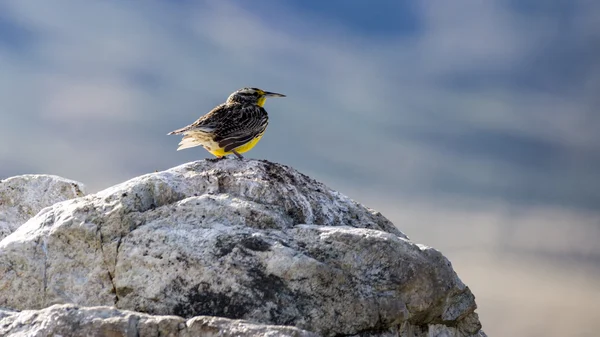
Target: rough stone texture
[239, 239]
[24, 196]
[70, 320]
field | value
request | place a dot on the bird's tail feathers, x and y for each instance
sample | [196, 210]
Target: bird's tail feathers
[188, 142]
[194, 138]
[178, 131]
[193, 128]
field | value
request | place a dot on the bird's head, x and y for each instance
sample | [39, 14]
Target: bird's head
[251, 96]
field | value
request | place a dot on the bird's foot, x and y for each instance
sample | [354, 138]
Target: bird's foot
[239, 156]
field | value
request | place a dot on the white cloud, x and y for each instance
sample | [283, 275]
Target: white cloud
[468, 35]
[79, 102]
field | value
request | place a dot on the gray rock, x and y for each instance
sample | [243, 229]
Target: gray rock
[239, 239]
[70, 320]
[24, 196]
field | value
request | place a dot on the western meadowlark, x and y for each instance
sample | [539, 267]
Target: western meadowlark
[232, 127]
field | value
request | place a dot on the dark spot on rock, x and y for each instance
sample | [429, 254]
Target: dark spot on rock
[255, 289]
[77, 190]
[224, 245]
[268, 286]
[320, 219]
[306, 177]
[273, 171]
[223, 181]
[296, 214]
[292, 178]
[124, 291]
[124, 195]
[325, 253]
[255, 244]
[260, 221]
[202, 300]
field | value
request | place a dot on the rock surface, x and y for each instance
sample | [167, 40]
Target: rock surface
[70, 320]
[239, 239]
[24, 196]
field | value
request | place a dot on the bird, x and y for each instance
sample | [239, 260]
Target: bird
[233, 127]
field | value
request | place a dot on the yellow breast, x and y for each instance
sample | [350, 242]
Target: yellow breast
[240, 149]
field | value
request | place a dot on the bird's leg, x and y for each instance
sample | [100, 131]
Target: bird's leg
[240, 157]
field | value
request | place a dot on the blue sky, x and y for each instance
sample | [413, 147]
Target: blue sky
[473, 125]
[476, 99]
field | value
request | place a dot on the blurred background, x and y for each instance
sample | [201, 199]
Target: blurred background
[473, 125]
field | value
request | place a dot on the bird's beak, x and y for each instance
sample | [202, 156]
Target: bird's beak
[273, 94]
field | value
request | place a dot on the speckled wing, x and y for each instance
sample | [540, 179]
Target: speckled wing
[211, 121]
[205, 123]
[240, 125]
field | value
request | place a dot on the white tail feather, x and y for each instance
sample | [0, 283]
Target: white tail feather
[188, 142]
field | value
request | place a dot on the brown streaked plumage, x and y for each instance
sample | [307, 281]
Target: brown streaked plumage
[233, 127]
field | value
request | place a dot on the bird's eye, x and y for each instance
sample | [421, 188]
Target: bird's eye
[256, 93]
